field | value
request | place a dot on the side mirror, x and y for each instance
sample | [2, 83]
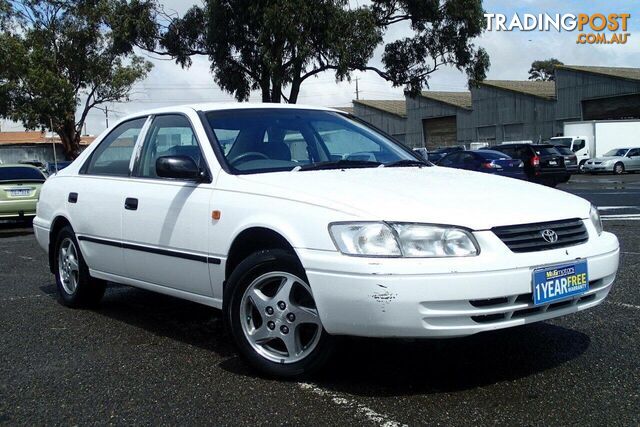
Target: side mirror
[178, 167]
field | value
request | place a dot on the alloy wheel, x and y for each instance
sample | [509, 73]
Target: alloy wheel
[279, 317]
[68, 266]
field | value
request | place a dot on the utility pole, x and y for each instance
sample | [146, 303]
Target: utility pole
[357, 90]
[106, 115]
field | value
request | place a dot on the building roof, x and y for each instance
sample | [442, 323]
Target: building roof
[541, 89]
[619, 72]
[396, 107]
[457, 99]
[35, 137]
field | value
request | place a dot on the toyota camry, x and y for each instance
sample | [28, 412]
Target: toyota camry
[304, 223]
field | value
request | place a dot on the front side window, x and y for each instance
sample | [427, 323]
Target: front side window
[578, 144]
[168, 135]
[113, 155]
[268, 140]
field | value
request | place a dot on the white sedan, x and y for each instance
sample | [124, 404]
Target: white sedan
[618, 161]
[303, 223]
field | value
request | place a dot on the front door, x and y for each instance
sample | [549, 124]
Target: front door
[166, 221]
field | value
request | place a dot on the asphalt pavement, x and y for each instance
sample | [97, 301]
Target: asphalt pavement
[144, 358]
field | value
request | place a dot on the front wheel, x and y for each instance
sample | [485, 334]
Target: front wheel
[76, 287]
[272, 316]
[618, 168]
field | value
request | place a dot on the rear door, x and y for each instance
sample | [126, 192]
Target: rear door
[95, 198]
[166, 221]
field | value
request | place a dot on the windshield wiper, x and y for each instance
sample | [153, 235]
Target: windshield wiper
[339, 164]
[405, 162]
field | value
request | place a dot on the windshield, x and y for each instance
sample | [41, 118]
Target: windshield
[616, 152]
[20, 173]
[563, 142]
[270, 140]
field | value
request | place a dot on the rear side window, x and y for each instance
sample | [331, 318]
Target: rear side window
[113, 155]
[20, 173]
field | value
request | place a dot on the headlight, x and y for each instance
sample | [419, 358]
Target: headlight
[594, 215]
[402, 239]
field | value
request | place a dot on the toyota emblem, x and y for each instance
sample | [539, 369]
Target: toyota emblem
[549, 236]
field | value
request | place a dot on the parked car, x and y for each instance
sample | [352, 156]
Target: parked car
[543, 163]
[436, 155]
[19, 190]
[37, 163]
[55, 167]
[618, 161]
[570, 160]
[297, 248]
[488, 161]
[422, 152]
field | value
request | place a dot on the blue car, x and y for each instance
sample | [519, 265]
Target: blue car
[488, 161]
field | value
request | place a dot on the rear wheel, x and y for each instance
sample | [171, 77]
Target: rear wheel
[272, 316]
[76, 287]
[618, 168]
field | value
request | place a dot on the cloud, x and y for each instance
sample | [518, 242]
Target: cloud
[511, 55]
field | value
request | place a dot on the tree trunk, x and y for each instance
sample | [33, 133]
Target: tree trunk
[295, 91]
[70, 139]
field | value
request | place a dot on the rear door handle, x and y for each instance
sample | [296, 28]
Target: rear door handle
[131, 204]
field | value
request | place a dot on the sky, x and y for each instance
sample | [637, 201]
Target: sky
[511, 55]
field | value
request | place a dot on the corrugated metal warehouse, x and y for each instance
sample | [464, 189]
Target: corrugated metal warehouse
[505, 110]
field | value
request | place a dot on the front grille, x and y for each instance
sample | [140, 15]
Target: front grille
[519, 306]
[528, 237]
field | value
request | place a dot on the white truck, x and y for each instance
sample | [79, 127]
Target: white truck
[593, 138]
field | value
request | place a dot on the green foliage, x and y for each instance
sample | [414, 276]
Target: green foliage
[273, 44]
[59, 56]
[544, 70]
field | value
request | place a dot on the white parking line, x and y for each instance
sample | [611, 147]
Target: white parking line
[360, 409]
[614, 208]
[621, 304]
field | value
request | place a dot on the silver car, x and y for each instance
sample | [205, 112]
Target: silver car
[618, 160]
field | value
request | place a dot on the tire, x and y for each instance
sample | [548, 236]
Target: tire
[261, 325]
[618, 168]
[76, 288]
[581, 166]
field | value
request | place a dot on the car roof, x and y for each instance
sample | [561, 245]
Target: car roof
[225, 106]
[19, 165]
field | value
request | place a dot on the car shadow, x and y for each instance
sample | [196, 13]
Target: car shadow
[17, 227]
[364, 366]
[375, 367]
[162, 315]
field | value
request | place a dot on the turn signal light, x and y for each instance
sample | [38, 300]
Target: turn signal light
[215, 215]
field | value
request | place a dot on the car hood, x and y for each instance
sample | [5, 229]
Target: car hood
[429, 195]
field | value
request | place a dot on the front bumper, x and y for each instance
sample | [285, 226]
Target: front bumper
[415, 298]
[592, 167]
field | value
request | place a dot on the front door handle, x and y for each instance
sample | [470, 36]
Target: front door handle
[131, 204]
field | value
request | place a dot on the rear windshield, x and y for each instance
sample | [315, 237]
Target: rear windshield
[564, 150]
[546, 150]
[20, 173]
[564, 142]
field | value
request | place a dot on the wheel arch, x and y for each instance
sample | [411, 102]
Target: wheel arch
[58, 223]
[253, 239]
